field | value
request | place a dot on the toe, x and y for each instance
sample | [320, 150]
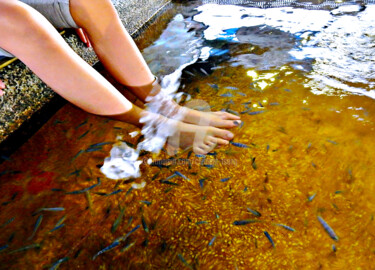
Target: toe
[222, 133]
[221, 141]
[228, 116]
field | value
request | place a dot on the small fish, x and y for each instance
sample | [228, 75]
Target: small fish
[168, 182]
[241, 145]
[201, 182]
[3, 247]
[310, 198]
[57, 227]
[52, 209]
[338, 191]
[212, 241]
[233, 112]
[77, 155]
[123, 238]
[81, 124]
[212, 154]
[85, 189]
[269, 238]
[254, 212]
[328, 229]
[200, 156]
[93, 149]
[57, 189]
[129, 191]
[204, 72]
[145, 243]
[253, 164]
[255, 112]
[37, 224]
[56, 264]
[108, 248]
[181, 175]
[201, 222]
[35, 245]
[128, 246]
[287, 90]
[144, 225]
[83, 135]
[76, 172]
[148, 203]
[61, 220]
[268, 147]
[231, 88]
[274, 103]
[225, 179]
[285, 227]
[245, 221]
[118, 220]
[246, 111]
[227, 94]
[333, 142]
[334, 249]
[245, 189]
[208, 166]
[11, 237]
[214, 86]
[100, 144]
[182, 259]
[190, 73]
[7, 222]
[115, 192]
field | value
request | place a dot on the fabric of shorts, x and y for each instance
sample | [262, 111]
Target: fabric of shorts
[57, 13]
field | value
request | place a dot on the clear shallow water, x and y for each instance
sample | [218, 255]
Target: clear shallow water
[309, 131]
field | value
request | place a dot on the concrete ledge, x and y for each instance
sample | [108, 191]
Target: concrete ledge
[25, 93]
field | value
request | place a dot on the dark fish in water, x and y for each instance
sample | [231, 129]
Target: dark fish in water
[227, 94]
[57, 227]
[37, 224]
[212, 241]
[285, 227]
[52, 209]
[214, 86]
[146, 202]
[245, 221]
[255, 112]
[114, 192]
[118, 220]
[181, 175]
[83, 135]
[111, 246]
[208, 166]
[123, 238]
[338, 191]
[201, 222]
[217, 216]
[85, 189]
[310, 198]
[233, 112]
[212, 154]
[35, 245]
[76, 172]
[201, 182]
[333, 142]
[269, 238]
[274, 103]
[334, 249]
[246, 111]
[200, 156]
[81, 124]
[328, 229]
[225, 179]
[93, 149]
[231, 88]
[204, 71]
[168, 182]
[182, 259]
[145, 243]
[56, 264]
[245, 189]
[78, 154]
[241, 94]
[253, 164]
[3, 247]
[288, 90]
[128, 246]
[260, 104]
[144, 225]
[241, 145]
[7, 222]
[190, 73]
[129, 191]
[254, 212]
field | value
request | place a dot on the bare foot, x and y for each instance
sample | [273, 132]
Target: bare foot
[214, 119]
[203, 139]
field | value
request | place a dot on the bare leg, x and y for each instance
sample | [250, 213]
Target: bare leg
[47, 54]
[120, 55]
